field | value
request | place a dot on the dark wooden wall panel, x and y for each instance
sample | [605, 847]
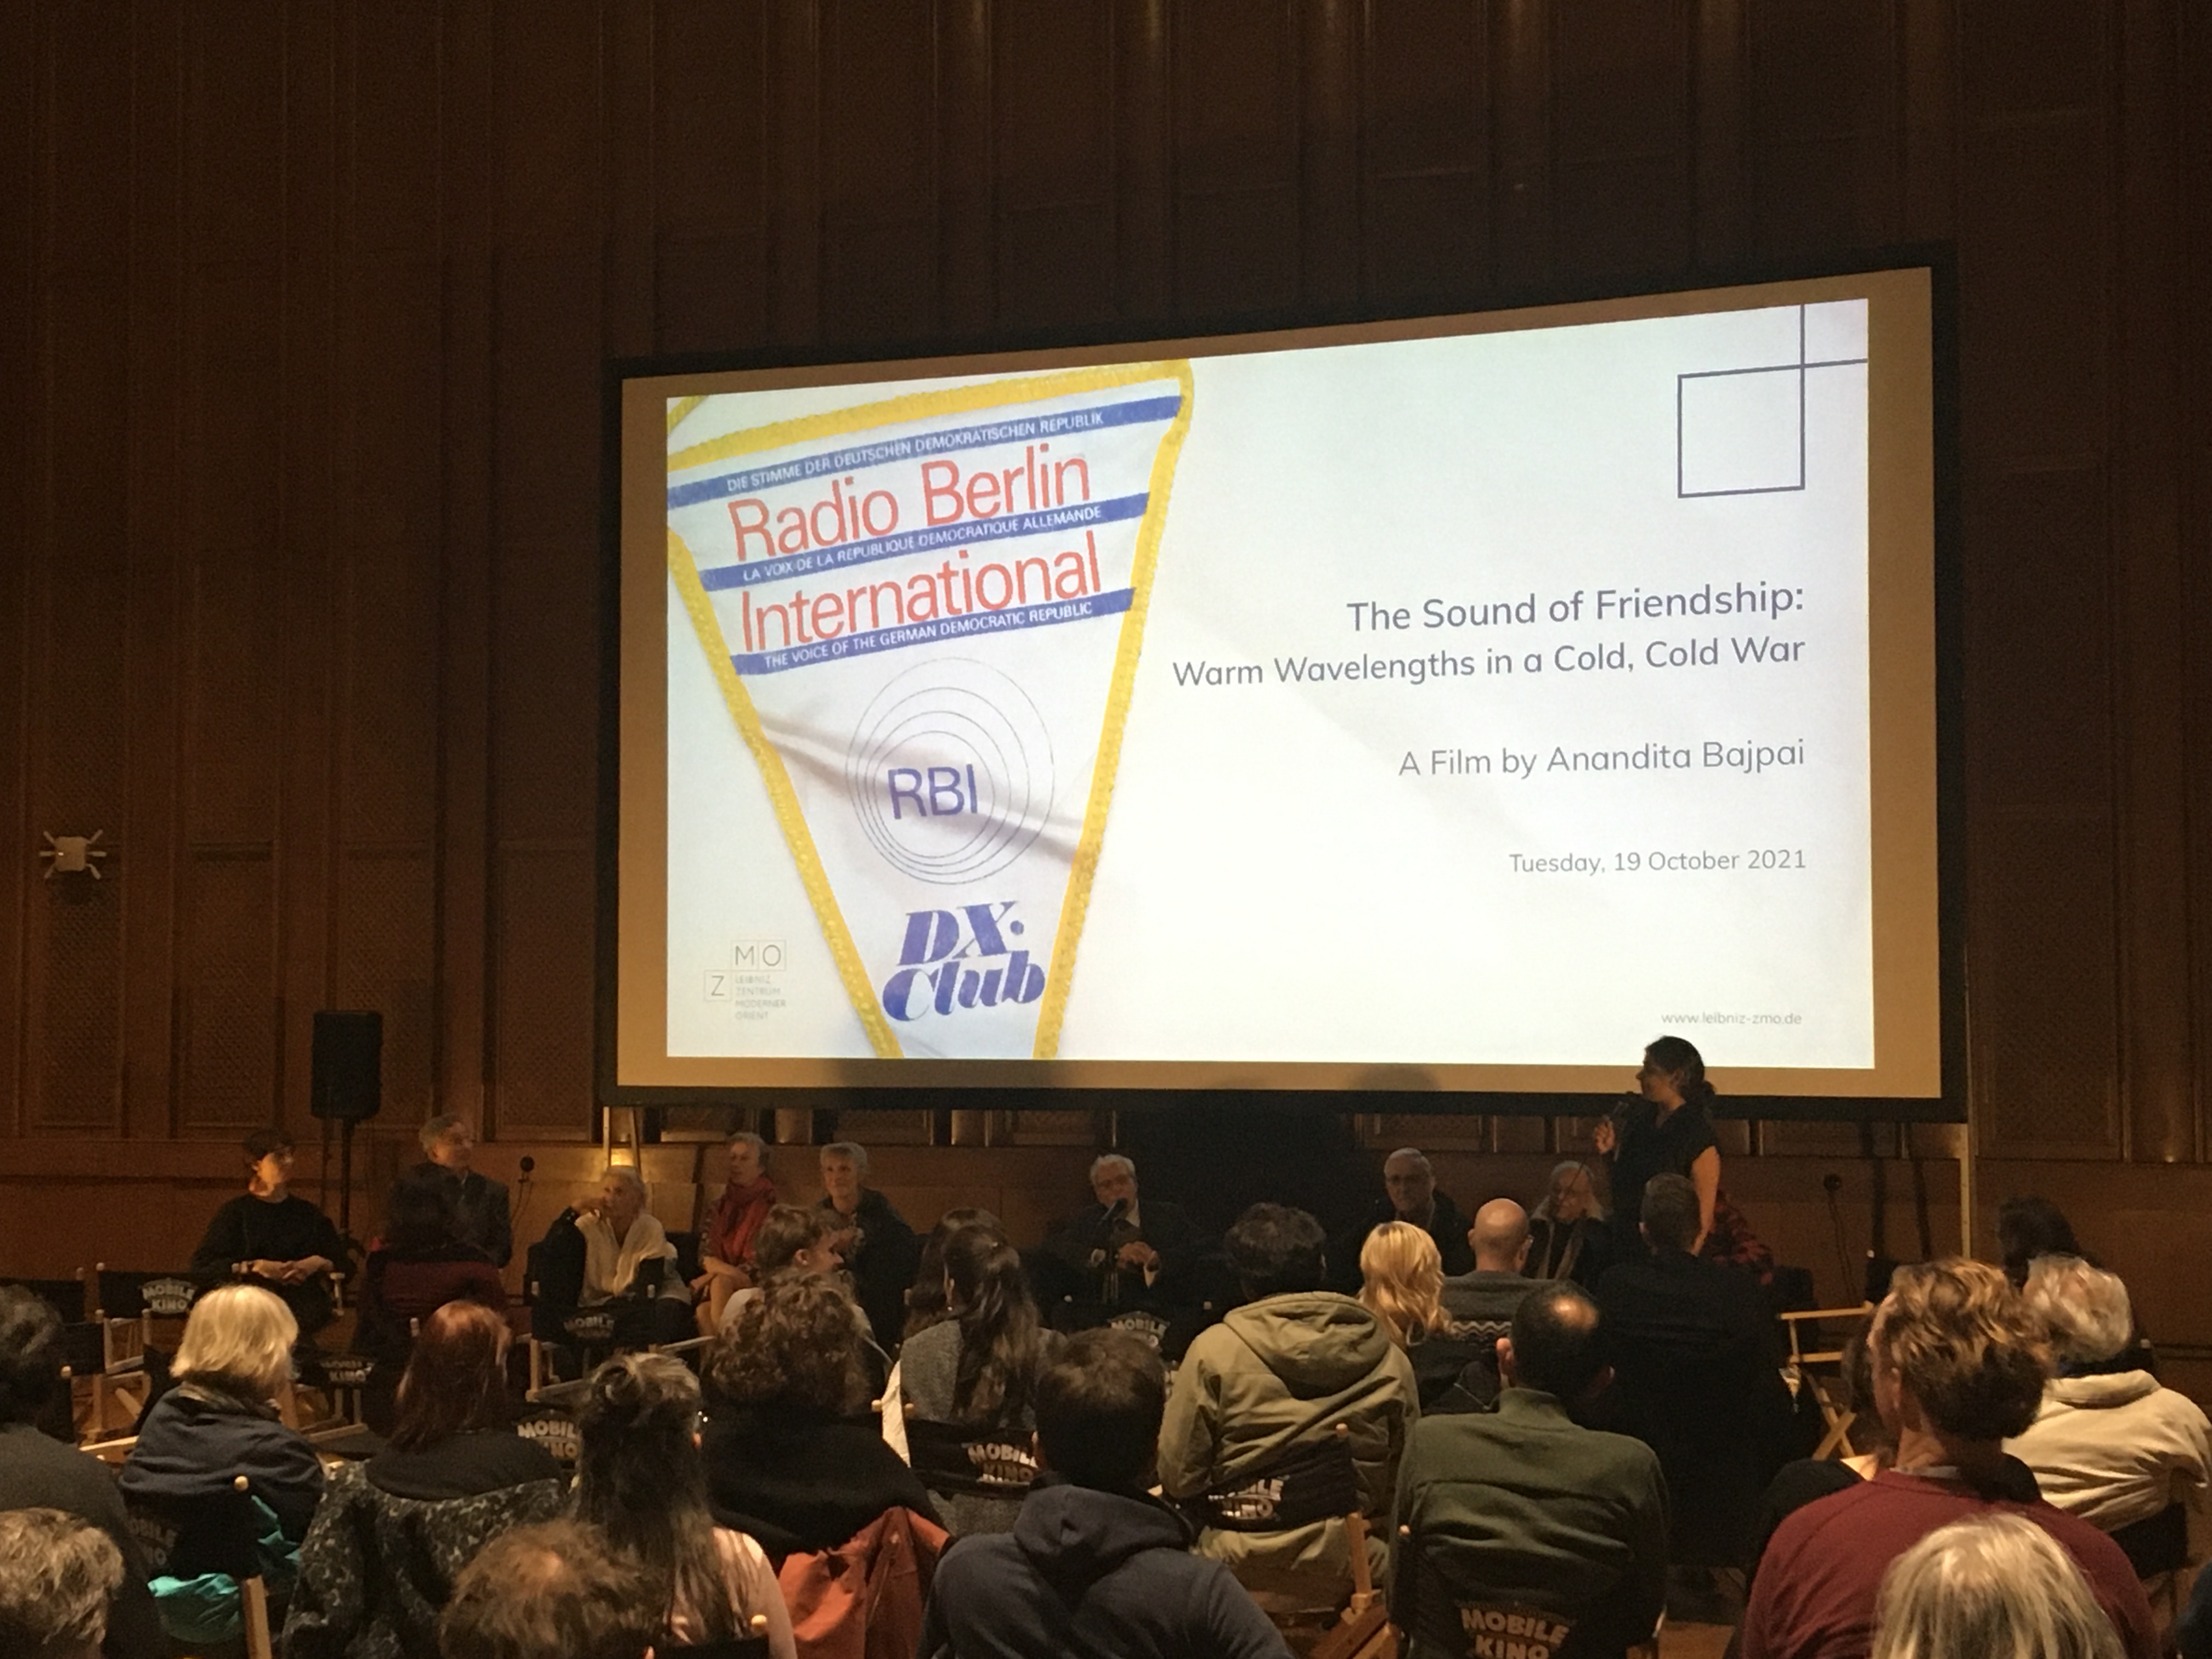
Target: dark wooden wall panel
[302, 306]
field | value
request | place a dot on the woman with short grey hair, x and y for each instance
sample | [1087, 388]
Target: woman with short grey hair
[2108, 1443]
[1992, 1586]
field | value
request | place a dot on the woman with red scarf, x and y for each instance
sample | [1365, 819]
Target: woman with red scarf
[726, 1245]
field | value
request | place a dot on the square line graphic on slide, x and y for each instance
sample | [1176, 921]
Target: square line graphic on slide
[1741, 431]
[923, 615]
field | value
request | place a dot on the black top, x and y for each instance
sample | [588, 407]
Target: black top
[195, 1441]
[795, 1480]
[1447, 1225]
[1646, 1147]
[462, 1465]
[40, 1472]
[1164, 1226]
[250, 1229]
[882, 1259]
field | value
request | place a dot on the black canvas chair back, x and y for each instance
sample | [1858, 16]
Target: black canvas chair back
[1463, 1600]
[184, 1537]
[551, 1426]
[125, 1294]
[954, 1459]
[1313, 1480]
[82, 1349]
[2156, 1544]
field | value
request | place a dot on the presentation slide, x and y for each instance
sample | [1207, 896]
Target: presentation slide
[1453, 704]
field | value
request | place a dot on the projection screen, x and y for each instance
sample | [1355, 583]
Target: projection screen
[1453, 703]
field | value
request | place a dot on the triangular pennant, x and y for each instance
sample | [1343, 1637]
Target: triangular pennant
[924, 614]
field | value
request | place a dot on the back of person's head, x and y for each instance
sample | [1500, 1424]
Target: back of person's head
[795, 1344]
[1499, 1236]
[924, 1300]
[1402, 1280]
[239, 1339]
[1679, 1058]
[1964, 1345]
[30, 1355]
[1671, 1213]
[423, 1213]
[786, 1229]
[558, 1590]
[2028, 1227]
[1001, 1339]
[1992, 1586]
[456, 1380]
[639, 1480]
[1558, 1344]
[1273, 1249]
[58, 1575]
[2084, 1309]
[1099, 1402]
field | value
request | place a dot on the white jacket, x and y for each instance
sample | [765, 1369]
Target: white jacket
[2118, 1449]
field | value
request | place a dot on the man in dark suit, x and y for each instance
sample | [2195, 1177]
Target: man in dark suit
[1410, 1194]
[1693, 1347]
[448, 1146]
[1121, 1251]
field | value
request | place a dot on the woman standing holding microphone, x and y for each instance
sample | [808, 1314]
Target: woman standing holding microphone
[1669, 1130]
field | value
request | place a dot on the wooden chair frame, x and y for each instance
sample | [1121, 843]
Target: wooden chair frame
[1836, 1441]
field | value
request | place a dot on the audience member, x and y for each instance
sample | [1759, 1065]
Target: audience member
[924, 1298]
[558, 1590]
[726, 1244]
[1484, 1301]
[1959, 1365]
[58, 1576]
[269, 1237]
[420, 1263]
[449, 1148]
[1698, 1381]
[1410, 1193]
[1568, 1234]
[1121, 1250]
[221, 1419]
[379, 1559]
[1669, 1130]
[793, 1458]
[1095, 1567]
[38, 1471]
[1987, 1586]
[791, 1238]
[879, 1248]
[977, 1370]
[2109, 1444]
[1278, 1373]
[639, 1480]
[1402, 1283]
[1520, 1512]
[630, 1265]
[2028, 1227]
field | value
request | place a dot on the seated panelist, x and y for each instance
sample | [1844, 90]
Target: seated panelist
[1124, 1251]
[267, 1236]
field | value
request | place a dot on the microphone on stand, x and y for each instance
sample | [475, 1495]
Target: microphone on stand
[1111, 1269]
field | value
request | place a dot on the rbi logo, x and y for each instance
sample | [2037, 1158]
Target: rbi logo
[950, 772]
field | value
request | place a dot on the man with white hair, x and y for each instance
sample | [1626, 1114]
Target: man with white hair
[2108, 1444]
[449, 1148]
[1123, 1250]
[1410, 1193]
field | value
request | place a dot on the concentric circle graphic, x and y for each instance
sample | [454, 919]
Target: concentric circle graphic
[950, 769]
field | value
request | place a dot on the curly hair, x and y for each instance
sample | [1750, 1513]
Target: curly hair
[1402, 1285]
[797, 1343]
[1965, 1344]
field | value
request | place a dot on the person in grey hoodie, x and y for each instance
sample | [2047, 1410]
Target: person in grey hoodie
[1281, 1371]
[1095, 1568]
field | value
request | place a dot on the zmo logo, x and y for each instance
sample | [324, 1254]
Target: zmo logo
[759, 955]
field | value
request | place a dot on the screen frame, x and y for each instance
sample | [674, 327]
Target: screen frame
[957, 1080]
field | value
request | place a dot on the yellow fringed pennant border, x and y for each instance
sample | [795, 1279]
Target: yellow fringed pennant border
[1075, 902]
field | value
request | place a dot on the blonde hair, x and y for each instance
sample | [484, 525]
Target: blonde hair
[238, 1338]
[1403, 1281]
[1992, 1584]
[1965, 1345]
[2084, 1309]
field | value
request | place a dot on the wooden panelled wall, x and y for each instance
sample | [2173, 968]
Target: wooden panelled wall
[302, 308]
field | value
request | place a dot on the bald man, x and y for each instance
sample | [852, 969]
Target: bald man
[1484, 1302]
[1410, 1193]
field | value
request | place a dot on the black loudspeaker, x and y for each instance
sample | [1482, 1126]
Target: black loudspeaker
[348, 1084]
